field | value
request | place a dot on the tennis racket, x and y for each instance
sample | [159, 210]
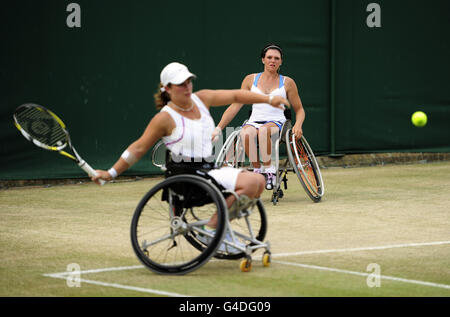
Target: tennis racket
[159, 155]
[46, 130]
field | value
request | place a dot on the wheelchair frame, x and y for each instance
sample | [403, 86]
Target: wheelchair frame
[301, 161]
[168, 232]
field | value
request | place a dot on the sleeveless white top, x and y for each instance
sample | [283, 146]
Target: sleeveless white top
[264, 111]
[191, 138]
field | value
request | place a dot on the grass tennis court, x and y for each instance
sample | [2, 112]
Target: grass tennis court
[393, 217]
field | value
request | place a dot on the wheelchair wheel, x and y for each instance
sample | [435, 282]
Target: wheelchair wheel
[168, 218]
[232, 152]
[305, 166]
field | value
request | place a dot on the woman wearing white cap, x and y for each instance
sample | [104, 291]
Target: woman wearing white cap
[265, 120]
[185, 125]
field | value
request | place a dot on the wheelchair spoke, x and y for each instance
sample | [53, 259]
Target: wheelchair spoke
[168, 219]
[305, 166]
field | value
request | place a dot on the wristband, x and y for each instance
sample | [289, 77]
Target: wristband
[112, 171]
[270, 100]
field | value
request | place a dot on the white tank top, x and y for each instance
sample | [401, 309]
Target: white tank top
[191, 138]
[264, 111]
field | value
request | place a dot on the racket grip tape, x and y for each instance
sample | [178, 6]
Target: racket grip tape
[91, 172]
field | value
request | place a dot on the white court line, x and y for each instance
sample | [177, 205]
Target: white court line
[274, 255]
[120, 286]
[65, 275]
[386, 277]
[393, 246]
[108, 269]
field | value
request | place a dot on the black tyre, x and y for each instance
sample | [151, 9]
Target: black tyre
[167, 218]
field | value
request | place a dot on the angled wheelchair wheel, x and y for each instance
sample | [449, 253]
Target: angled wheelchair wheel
[172, 215]
[305, 166]
[232, 152]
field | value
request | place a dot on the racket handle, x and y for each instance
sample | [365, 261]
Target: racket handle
[91, 172]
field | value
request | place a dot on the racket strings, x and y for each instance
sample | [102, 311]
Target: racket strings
[41, 126]
[159, 154]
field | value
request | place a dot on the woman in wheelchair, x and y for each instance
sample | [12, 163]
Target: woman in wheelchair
[185, 126]
[265, 121]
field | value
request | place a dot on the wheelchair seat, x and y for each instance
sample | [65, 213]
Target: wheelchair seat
[192, 196]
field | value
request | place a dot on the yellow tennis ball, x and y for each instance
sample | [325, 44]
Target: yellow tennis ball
[419, 118]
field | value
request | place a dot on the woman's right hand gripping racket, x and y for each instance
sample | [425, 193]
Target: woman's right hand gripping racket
[46, 130]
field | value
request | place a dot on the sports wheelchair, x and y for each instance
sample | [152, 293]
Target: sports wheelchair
[168, 230]
[300, 160]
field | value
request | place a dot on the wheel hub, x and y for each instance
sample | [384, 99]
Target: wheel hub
[178, 225]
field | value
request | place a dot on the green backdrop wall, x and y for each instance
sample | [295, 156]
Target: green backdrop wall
[359, 84]
[385, 74]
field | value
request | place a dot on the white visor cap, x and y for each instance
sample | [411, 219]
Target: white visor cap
[175, 73]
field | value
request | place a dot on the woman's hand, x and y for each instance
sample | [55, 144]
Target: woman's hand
[278, 102]
[216, 133]
[297, 131]
[101, 175]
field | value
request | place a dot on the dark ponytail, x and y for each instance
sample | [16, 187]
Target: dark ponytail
[162, 98]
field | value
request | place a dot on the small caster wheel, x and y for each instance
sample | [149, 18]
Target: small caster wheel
[246, 265]
[274, 199]
[266, 259]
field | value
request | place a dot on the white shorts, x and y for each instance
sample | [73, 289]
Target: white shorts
[226, 176]
[258, 124]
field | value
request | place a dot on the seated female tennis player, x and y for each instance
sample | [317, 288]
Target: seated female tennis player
[185, 125]
[266, 121]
